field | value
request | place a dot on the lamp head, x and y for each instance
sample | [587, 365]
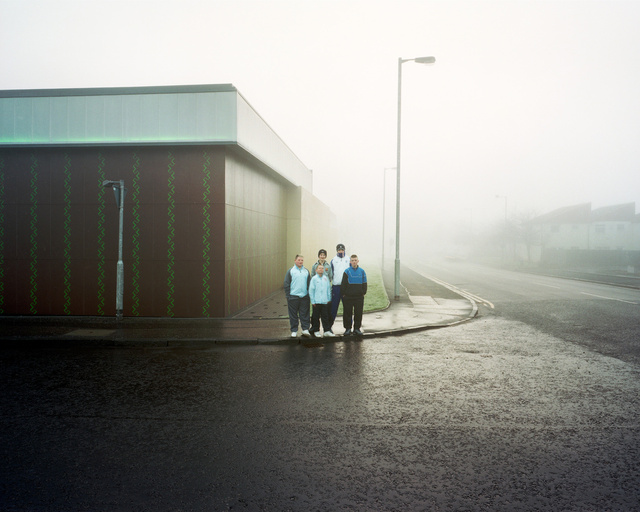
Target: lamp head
[425, 60]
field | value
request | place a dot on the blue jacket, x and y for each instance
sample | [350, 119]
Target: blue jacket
[320, 290]
[354, 283]
[296, 282]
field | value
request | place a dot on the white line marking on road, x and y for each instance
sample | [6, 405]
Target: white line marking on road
[464, 293]
[547, 285]
[609, 298]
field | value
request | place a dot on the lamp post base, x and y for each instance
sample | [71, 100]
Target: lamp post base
[397, 280]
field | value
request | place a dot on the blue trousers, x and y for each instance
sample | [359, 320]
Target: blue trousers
[299, 310]
[335, 303]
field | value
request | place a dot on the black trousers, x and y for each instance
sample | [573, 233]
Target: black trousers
[352, 309]
[320, 312]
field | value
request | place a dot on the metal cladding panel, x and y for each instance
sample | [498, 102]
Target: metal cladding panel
[255, 234]
[160, 118]
[257, 137]
[59, 231]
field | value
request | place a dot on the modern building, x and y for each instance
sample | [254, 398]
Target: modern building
[216, 204]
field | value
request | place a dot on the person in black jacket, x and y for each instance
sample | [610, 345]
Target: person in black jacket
[353, 289]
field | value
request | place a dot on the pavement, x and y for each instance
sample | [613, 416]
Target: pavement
[423, 304]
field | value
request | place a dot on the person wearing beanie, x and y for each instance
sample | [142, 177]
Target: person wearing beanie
[322, 260]
[339, 264]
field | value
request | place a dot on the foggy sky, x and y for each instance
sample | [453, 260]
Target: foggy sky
[536, 101]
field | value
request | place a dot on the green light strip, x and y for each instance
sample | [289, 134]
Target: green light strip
[135, 195]
[171, 235]
[67, 236]
[160, 140]
[34, 236]
[206, 243]
[101, 233]
[1, 235]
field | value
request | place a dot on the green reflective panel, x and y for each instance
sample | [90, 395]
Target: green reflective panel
[112, 119]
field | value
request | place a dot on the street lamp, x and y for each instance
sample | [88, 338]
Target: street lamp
[119, 191]
[419, 60]
[505, 207]
[504, 237]
[384, 202]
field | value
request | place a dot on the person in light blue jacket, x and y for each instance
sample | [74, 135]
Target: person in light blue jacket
[320, 296]
[296, 289]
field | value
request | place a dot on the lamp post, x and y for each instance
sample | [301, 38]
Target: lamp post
[384, 202]
[505, 207]
[504, 237]
[119, 191]
[419, 60]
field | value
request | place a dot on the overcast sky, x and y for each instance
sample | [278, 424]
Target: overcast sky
[535, 101]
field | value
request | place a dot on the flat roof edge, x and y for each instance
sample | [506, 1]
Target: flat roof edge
[27, 145]
[112, 91]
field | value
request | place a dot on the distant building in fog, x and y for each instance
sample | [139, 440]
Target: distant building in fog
[579, 234]
[217, 205]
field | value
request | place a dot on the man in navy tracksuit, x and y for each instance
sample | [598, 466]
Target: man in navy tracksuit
[353, 289]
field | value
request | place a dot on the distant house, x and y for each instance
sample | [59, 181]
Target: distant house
[611, 228]
[565, 228]
[580, 235]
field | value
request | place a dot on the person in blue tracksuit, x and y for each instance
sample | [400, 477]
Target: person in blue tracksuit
[296, 289]
[320, 296]
[353, 289]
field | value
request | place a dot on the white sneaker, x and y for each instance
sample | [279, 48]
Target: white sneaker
[318, 335]
[306, 333]
[294, 334]
[329, 334]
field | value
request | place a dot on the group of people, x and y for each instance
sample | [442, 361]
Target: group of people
[323, 288]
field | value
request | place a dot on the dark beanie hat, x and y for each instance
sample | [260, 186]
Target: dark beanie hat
[339, 247]
[322, 251]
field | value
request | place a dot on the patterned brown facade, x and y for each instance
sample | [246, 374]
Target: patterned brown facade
[205, 231]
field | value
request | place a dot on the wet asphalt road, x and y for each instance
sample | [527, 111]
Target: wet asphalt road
[488, 415]
[597, 316]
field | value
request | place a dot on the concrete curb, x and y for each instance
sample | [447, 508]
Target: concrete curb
[409, 314]
[119, 341]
